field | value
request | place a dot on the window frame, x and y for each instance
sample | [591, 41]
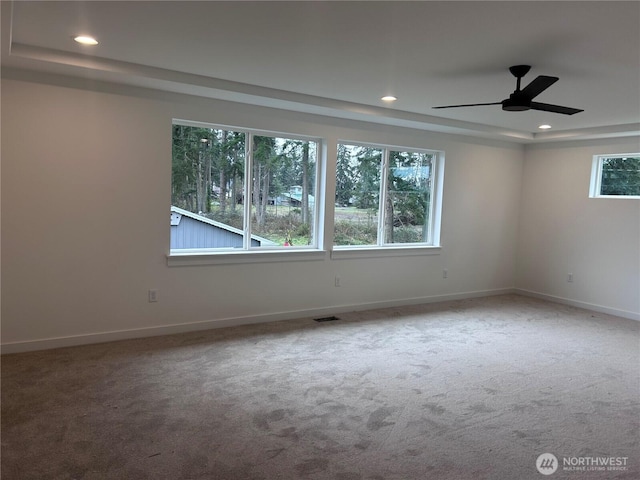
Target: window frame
[248, 253]
[595, 186]
[381, 248]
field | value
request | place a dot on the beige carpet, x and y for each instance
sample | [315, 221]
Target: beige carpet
[473, 389]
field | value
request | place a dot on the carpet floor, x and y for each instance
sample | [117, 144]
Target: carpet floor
[471, 389]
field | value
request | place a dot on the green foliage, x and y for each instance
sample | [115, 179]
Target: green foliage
[407, 192]
[303, 230]
[282, 227]
[200, 157]
[407, 235]
[232, 218]
[621, 176]
[352, 233]
[209, 164]
[185, 164]
[367, 181]
[409, 188]
[345, 176]
[277, 227]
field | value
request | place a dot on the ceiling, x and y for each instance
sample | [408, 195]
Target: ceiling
[339, 58]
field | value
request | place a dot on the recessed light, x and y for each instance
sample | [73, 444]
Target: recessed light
[85, 40]
[389, 98]
[544, 127]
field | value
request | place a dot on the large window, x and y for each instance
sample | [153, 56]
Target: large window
[616, 176]
[242, 190]
[386, 196]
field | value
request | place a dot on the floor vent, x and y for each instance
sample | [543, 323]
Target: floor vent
[326, 319]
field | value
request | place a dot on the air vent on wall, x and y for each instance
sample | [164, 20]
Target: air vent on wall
[326, 319]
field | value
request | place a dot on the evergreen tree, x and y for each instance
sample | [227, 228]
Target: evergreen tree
[191, 168]
[621, 176]
[345, 176]
[368, 167]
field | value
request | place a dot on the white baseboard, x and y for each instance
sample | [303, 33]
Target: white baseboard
[74, 340]
[575, 303]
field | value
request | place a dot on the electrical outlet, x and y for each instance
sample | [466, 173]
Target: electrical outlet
[153, 296]
[336, 282]
[570, 277]
[445, 273]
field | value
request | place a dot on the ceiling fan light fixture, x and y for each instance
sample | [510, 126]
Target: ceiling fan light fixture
[510, 105]
[515, 108]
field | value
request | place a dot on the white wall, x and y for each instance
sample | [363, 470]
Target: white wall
[85, 231]
[564, 231]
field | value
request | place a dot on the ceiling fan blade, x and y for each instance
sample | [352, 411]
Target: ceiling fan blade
[470, 105]
[539, 85]
[545, 107]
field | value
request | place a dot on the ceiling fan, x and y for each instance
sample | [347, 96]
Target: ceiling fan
[521, 100]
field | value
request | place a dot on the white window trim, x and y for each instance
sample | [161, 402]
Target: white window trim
[375, 251]
[319, 196]
[400, 249]
[199, 256]
[249, 254]
[595, 186]
[317, 252]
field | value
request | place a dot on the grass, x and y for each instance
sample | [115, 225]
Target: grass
[353, 226]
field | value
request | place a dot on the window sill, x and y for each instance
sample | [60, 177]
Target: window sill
[185, 258]
[345, 253]
[617, 197]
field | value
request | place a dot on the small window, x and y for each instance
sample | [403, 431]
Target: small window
[616, 176]
[386, 196]
[241, 190]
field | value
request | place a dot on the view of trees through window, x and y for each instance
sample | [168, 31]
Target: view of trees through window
[209, 179]
[620, 176]
[377, 205]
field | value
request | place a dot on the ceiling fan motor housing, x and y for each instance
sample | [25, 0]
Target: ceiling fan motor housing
[517, 102]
